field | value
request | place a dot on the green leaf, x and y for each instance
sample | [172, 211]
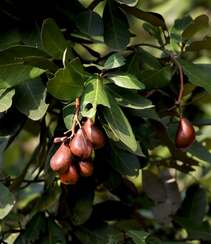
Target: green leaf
[198, 24]
[138, 236]
[119, 125]
[52, 39]
[114, 61]
[90, 23]
[30, 99]
[55, 234]
[67, 84]
[130, 3]
[17, 54]
[116, 25]
[34, 228]
[13, 75]
[200, 45]
[199, 151]
[198, 74]
[151, 17]
[6, 99]
[102, 234]
[7, 201]
[154, 31]
[127, 81]
[194, 206]
[82, 209]
[130, 99]
[176, 32]
[94, 94]
[156, 78]
[68, 114]
[124, 162]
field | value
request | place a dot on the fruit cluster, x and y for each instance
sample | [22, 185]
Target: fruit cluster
[73, 157]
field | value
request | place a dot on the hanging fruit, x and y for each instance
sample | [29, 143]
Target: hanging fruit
[94, 134]
[62, 159]
[185, 134]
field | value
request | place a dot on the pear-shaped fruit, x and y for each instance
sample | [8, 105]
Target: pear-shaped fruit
[94, 134]
[185, 134]
[62, 159]
[80, 145]
[86, 168]
[70, 177]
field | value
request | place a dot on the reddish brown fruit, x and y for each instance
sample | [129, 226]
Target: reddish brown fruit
[80, 146]
[86, 168]
[185, 134]
[70, 177]
[94, 134]
[61, 160]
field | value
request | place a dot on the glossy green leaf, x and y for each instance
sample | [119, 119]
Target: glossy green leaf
[55, 234]
[119, 125]
[176, 31]
[30, 99]
[198, 74]
[68, 114]
[52, 39]
[13, 75]
[102, 234]
[200, 45]
[6, 99]
[124, 162]
[198, 24]
[156, 78]
[128, 81]
[130, 3]
[82, 209]
[138, 236]
[151, 17]
[94, 95]
[90, 23]
[67, 84]
[34, 228]
[199, 151]
[130, 99]
[116, 25]
[17, 54]
[7, 201]
[194, 206]
[114, 61]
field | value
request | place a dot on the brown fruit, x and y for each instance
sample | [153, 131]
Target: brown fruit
[70, 177]
[86, 168]
[61, 160]
[185, 134]
[80, 146]
[94, 134]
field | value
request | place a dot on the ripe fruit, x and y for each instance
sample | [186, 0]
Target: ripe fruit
[70, 177]
[80, 146]
[61, 160]
[185, 134]
[94, 134]
[86, 168]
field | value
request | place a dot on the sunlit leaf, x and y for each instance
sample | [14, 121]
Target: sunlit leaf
[7, 201]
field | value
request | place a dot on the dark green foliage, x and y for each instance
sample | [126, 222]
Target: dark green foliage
[127, 67]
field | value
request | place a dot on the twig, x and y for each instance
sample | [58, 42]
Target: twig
[178, 101]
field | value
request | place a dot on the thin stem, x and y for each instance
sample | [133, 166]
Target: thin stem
[178, 101]
[75, 119]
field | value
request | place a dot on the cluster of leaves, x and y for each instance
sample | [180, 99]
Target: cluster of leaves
[130, 90]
